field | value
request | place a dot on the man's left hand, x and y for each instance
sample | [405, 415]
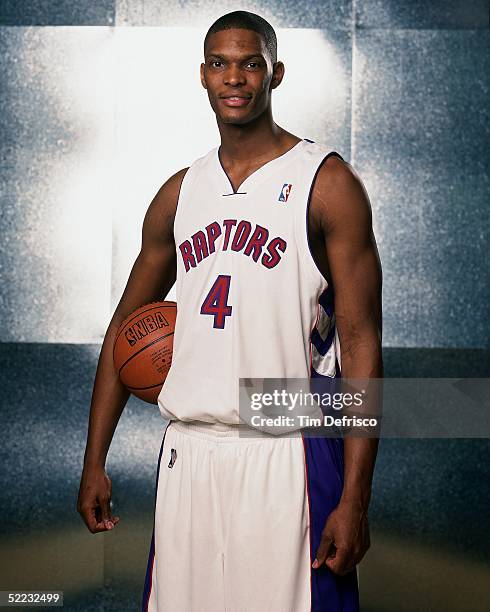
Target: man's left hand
[345, 538]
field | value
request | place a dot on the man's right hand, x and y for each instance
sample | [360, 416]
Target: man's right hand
[94, 500]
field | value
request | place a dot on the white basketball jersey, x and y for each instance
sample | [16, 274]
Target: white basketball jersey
[251, 301]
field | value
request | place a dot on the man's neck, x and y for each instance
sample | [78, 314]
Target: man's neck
[242, 144]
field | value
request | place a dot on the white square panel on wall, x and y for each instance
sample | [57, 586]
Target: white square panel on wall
[56, 148]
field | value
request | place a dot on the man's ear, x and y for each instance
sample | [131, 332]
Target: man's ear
[203, 80]
[277, 74]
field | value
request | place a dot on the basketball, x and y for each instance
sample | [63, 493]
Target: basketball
[143, 349]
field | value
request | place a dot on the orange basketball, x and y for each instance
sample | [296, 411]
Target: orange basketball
[143, 349]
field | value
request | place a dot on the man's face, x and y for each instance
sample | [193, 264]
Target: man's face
[238, 75]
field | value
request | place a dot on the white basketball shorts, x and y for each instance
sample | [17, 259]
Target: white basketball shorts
[237, 522]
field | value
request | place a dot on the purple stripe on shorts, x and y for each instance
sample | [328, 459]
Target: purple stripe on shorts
[324, 469]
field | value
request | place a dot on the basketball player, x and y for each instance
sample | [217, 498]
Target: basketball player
[270, 241]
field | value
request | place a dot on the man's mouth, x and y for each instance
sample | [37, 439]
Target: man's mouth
[236, 100]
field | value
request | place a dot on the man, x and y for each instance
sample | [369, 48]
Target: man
[258, 234]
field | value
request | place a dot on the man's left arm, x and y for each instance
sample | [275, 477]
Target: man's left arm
[343, 215]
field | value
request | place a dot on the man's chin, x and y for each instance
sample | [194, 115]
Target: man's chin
[235, 119]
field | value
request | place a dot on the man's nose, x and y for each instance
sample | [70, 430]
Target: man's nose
[234, 76]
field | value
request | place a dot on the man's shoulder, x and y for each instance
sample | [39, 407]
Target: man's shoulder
[205, 158]
[164, 203]
[335, 178]
[338, 193]
[334, 171]
[171, 187]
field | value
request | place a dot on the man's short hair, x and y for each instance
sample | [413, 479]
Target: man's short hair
[246, 21]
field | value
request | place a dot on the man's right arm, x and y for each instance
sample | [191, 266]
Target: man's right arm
[152, 276]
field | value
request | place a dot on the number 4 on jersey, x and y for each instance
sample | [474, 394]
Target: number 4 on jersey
[215, 303]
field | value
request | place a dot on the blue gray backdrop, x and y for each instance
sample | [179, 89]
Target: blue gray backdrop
[93, 119]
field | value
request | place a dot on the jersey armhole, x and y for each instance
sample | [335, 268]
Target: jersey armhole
[184, 186]
[315, 271]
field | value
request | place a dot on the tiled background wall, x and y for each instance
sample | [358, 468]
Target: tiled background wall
[92, 121]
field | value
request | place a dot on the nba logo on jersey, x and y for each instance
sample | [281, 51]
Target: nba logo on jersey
[285, 191]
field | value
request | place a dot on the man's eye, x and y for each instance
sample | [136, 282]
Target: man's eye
[253, 64]
[215, 62]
